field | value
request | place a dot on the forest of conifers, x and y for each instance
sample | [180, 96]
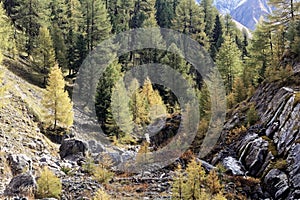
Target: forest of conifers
[65, 31]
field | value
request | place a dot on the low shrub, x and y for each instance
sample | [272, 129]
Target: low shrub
[101, 195]
[48, 185]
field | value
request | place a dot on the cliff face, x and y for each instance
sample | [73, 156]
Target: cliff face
[270, 149]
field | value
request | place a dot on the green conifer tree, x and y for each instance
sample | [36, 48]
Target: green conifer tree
[261, 49]
[44, 55]
[209, 17]
[120, 12]
[97, 23]
[104, 90]
[25, 16]
[73, 30]
[229, 62]
[120, 109]
[143, 10]
[189, 19]
[59, 45]
[164, 13]
[58, 23]
[285, 11]
[217, 37]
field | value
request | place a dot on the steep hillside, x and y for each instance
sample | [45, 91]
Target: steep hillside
[20, 136]
[25, 150]
[270, 149]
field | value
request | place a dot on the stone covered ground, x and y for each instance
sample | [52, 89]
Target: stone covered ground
[260, 162]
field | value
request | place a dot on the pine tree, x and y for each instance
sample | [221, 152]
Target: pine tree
[25, 16]
[294, 37]
[278, 45]
[261, 49]
[217, 37]
[58, 14]
[120, 12]
[154, 101]
[209, 17]
[44, 53]
[104, 90]
[143, 10]
[58, 22]
[59, 45]
[80, 53]
[164, 13]
[58, 106]
[229, 26]
[229, 62]
[245, 44]
[174, 60]
[44, 13]
[204, 102]
[73, 29]
[120, 109]
[97, 22]
[189, 19]
[239, 90]
[138, 107]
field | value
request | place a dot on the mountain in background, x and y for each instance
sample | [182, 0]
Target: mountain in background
[246, 12]
[226, 6]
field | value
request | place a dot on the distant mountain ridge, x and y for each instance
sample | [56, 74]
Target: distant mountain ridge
[246, 12]
[249, 12]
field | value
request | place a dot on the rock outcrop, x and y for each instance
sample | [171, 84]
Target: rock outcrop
[19, 163]
[270, 149]
[73, 149]
[21, 185]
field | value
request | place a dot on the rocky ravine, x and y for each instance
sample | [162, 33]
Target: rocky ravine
[24, 150]
[269, 150]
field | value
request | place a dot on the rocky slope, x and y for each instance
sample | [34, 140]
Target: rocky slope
[270, 149]
[261, 161]
[24, 150]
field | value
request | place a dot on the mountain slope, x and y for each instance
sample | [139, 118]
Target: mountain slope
[226, 6]
[249, 12]
[246, 12]
[270, 149]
